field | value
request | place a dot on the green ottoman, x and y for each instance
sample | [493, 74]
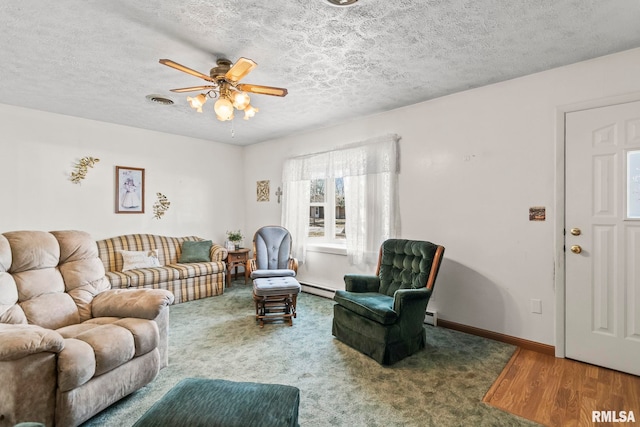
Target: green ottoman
[201, 402]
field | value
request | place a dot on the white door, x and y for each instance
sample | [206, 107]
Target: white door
[602, 236]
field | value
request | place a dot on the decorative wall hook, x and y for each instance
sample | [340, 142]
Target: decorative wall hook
[81, 168]
[160, 206]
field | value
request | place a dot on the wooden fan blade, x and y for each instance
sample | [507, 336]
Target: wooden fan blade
[179, 67]
[193, 89]
[240, 69]
[262, 90]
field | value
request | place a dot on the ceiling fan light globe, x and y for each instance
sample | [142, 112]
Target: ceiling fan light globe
[224, 109]
[250, 111]
[225, 119]
[196, 102]
[240, 100]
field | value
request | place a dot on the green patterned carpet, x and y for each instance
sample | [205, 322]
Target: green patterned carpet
[217, 337]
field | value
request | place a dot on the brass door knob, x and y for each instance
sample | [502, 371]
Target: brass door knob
[576, 249]
[576, 231]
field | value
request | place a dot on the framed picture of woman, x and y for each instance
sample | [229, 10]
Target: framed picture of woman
[129, 190]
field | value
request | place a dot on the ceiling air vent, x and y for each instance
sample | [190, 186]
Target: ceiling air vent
[159, 99]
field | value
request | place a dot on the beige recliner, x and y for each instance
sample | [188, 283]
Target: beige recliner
[69, 345]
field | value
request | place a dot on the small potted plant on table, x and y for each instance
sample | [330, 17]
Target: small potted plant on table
[235, 237]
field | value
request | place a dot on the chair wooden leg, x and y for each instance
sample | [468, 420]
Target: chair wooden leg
[295, 301]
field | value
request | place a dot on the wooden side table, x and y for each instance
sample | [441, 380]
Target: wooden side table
[234, 260]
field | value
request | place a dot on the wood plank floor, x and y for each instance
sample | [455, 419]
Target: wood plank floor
[562, 392]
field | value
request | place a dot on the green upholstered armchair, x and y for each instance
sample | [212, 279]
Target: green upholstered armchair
[382, 316]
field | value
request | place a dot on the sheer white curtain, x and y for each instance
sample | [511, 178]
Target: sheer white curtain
[369, 169]
[295, 214]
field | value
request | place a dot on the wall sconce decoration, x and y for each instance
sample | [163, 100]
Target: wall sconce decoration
[262, 188]
[160, 206]
[81, 168]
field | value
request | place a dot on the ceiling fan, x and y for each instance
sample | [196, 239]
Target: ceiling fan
[225, 85]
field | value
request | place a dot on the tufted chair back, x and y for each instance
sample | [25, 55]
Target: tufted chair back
[272, 248]
[407, 264]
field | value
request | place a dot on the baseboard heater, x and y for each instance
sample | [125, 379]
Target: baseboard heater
[320, 290]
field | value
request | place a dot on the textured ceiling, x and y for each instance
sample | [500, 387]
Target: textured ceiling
[99, 59]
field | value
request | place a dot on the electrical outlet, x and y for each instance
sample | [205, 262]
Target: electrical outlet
[536, 306]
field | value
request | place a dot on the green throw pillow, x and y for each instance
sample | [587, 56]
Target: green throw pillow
[196, 251]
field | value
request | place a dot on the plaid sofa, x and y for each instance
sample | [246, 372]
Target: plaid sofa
[186, 281]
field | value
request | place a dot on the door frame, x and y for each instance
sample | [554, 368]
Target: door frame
[560, 198]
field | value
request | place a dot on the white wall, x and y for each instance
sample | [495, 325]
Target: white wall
[38, 151]
[471, 166]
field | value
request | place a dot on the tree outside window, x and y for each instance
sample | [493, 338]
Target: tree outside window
[327, 210]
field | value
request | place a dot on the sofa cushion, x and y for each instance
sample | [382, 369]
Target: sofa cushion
[195, 251]
[117, 279]
[83, 280]
[196, 269]
[76, 364]
[112, 345]
[8, 295]
[145, 332]
[5, 254]
[150, 276]
[372, 305]
[51, 311]
[32, 250]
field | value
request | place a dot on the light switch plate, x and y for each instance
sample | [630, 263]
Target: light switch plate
[536, 306]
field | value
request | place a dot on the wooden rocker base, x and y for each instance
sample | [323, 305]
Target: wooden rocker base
[275, 307]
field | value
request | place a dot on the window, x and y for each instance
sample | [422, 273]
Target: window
[344, 196]
[327, 210]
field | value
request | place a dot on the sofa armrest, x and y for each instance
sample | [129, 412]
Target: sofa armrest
[361, 283]
[140, 303]
[218, 253]
[18, 341]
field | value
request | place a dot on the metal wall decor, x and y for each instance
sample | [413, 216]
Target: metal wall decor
[81, 168]
[263, 191]
[160, 206]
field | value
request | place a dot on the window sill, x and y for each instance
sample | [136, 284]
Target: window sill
[328, 248]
